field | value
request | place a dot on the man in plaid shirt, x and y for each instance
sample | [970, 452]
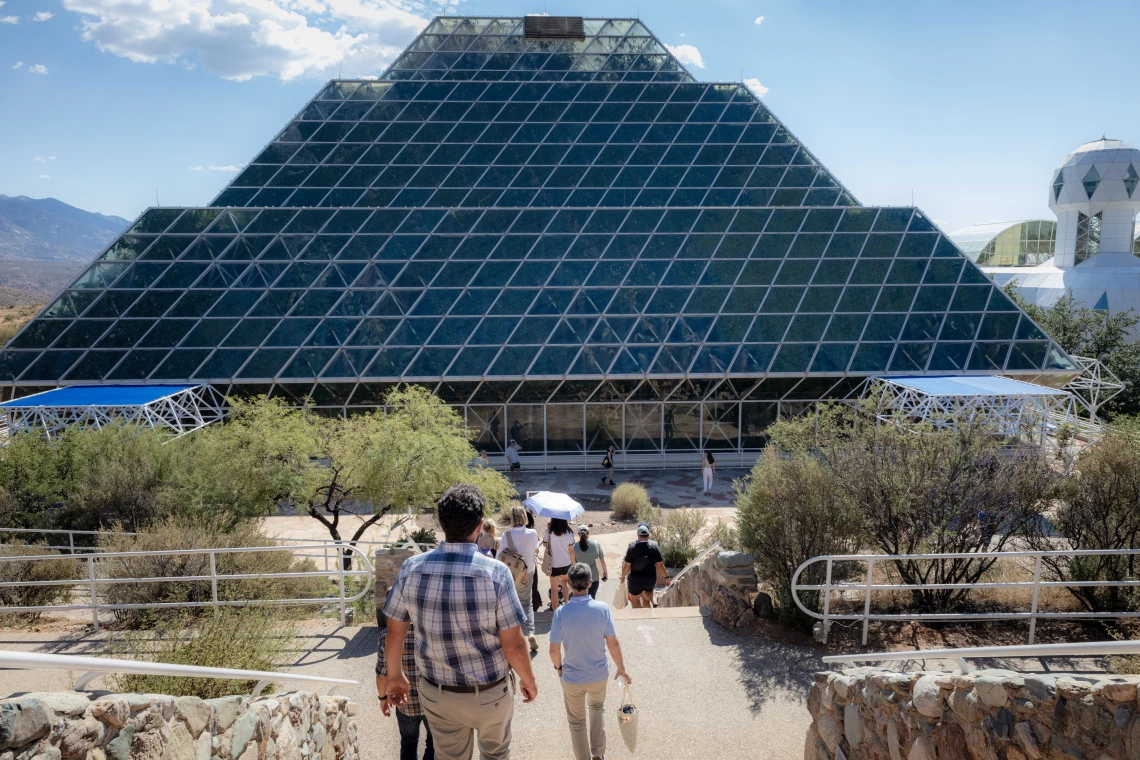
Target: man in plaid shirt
[468, 624]
[410, 715]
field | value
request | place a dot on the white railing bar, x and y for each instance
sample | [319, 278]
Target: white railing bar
[94, 666]
[986, 584]
[220, 577]
[1016, 650]
[971, 555]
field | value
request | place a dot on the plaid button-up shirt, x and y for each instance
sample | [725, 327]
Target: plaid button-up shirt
[458, 601]
[412, 707]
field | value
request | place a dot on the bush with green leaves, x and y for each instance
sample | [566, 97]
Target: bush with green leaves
[423, 536]
[677, 537]
[30, 574]
[627, 500]
[257, 637]
[725, 534]
[173, 535]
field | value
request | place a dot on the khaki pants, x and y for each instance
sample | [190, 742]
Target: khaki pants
[579, 698]
[455, 718]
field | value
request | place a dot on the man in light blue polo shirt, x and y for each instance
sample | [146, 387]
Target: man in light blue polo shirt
[580, 634]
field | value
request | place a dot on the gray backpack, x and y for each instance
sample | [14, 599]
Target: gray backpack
[514, 561]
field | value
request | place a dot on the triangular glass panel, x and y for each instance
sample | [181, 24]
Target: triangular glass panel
[1058, 185]
[1131, 178]
[1091, 181]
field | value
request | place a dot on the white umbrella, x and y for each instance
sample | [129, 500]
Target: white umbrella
[550, 504]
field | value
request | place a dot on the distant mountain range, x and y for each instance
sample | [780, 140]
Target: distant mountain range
[45, 243]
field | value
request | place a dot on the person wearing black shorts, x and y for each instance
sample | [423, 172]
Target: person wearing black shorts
[643, 568]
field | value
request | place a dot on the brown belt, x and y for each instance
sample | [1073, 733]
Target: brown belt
[467, 689]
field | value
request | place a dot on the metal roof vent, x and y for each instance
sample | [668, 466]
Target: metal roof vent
[554, 27]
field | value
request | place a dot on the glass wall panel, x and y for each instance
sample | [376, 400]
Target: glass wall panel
[603, 426]
[755, 418]
[682, 427]
[487, 422]
[565, 428]
[526, 425]
[643, 427]
[721, 425]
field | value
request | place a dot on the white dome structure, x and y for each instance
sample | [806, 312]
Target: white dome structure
[1094, 195]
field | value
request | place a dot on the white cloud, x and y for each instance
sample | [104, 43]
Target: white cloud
[51, 158]
[45, 176]
[687, 54]
[43, 16]
[194, 168]
[241, 39]
[226, 168]
[759, 20]
[17, 65]
[9, 19]
[758, 89]
[37, 68]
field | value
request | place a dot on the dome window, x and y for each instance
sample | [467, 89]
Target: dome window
[1091, 182]
[1058, 183]
[1130, 179]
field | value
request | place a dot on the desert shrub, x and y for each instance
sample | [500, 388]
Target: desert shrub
[725, 534]
[650, 515]
[678, 536]
[27, 572]
[627, 501]
[789, 510]
[257, 637]
[423, 536]
[180, 534]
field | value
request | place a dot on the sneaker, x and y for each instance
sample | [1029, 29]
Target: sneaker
[533, 644]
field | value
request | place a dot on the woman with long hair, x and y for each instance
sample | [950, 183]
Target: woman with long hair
[558, 539]
[523, 541]
[589, 553]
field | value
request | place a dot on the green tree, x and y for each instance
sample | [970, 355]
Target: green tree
[35, 476]
[1102, 335]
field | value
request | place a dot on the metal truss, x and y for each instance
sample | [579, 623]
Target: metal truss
[1096, 384]
[179, 413]
[1049, 419]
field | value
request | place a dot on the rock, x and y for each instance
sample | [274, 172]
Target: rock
[1041, 688]
[244, 729]
[1121, 717]
[195, 712]
[950, 741]
[119, 748]
[829, 732]
[1023, 734]
[853, 725]
[1013, 752]
[762, 606]
[1068, 746]
[726, 607]
[893, 741]
[46, 752]
[22, 722]
[1119, 692]
[69, 703]
[927, 697]
[79, 736]
[842, 685]
[202, 746]
[225, 712]
[735, 559]
[922, 749]
[113, 711]
[991, 691]
[965, 705]
[181, 744]
[1003, 724]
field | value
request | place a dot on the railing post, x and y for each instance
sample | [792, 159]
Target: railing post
[94, 592]
[71, 541]
[1036, 591]
[214, 577]
[340, 581]
[867, 599]
[827, 601]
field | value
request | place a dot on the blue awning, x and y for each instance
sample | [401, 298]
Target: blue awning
[973, 385]
[98, 395]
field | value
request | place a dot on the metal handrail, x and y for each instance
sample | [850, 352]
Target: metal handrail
[94, 581]
[1033, 614]
[93, 667]
[961, 655]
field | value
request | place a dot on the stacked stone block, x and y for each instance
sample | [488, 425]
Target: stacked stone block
[722, 583]
[78, 726]
[985, 715]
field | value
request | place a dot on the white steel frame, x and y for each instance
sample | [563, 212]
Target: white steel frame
[95, 579]
[180, 413]
[1024, 417]
[867, 587]
[93, 667]
[1096, 385]
[961, 655]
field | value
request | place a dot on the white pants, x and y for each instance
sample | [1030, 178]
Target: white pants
[708, 475]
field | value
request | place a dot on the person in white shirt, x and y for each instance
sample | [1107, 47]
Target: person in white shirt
[524, 541]
[560, 539]
[512, 454]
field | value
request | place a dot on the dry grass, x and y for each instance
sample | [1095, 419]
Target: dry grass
[628, 500]
[13, 317]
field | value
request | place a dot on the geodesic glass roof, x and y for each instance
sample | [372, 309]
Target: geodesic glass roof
[499, 208]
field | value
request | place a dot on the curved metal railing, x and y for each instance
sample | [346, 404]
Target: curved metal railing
[867, 587]
[93, 667]
[961, 655]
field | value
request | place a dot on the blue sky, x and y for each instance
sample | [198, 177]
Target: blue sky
[967, 105]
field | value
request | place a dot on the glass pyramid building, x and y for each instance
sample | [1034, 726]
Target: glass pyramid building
[553, 225]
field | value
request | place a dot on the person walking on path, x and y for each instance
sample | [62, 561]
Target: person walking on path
[558, 539]
[513, 462]
[643, 568]
[409, 716]
[608, 462]
[590, 553]
[580, 634]
[487, 542]
[468, 636]
[524, 542]
[708, 469]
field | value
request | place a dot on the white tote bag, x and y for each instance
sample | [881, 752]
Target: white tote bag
[621, 596]
[627, 718]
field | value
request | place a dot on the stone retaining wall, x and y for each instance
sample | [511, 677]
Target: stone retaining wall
[387, 564]
[723, 583]
[986, 715]
[100, 726]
